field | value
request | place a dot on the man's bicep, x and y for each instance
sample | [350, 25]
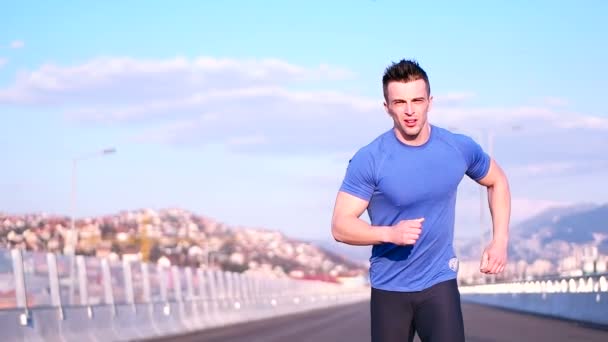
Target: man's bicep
[349, 205]
[494, 174]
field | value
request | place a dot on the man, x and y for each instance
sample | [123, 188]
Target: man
[407, 180]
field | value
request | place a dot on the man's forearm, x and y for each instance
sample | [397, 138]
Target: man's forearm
[354, 231]
[499, 198]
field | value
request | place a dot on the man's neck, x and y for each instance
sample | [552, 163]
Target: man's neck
[420, 139]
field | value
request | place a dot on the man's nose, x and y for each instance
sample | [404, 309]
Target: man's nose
[409, 109]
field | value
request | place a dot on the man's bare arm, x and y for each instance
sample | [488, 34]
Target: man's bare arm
[499, 200]
[349, 228]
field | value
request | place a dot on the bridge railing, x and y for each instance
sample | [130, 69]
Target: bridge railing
[581, 298]
[47, 297]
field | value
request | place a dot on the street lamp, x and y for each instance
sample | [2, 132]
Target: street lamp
[489, 136]
[70, 247]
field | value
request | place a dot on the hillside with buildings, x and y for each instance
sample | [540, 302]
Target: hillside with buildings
[559, 241]
[178, 237]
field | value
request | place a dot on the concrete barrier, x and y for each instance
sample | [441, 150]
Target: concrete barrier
[89, 299]
[103, 317]
[46, 323]
[78, 325]
[581, 298]
[165, 320]
[11, 328]
[143, 321]
[583, 307]
[127, 322]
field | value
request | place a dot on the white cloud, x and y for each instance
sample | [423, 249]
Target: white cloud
[523, 208]
[554, 101]
[574, 166]
[455, 97]
[237, 98]
[3, 62]
[17, 44]
[288, 121]
[129, 81]
[582, 121]
[501, 118]
[547, 168]
[247, 140]
[266, 105]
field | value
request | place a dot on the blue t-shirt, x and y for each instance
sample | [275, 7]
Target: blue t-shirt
[403, 182]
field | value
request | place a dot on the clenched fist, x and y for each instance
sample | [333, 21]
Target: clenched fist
[406, 232]
[494, 257]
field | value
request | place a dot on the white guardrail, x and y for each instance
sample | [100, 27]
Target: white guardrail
[581, 298]
[52, 297]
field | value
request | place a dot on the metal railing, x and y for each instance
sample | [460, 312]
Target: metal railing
[580, 298]
[45, 296]
[578, 284]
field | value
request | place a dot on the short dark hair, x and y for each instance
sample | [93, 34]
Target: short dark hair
[404, 71]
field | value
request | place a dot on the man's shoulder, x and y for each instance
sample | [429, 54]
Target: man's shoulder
[446, 133]
[468, 149]
[377, 146]
[457, 140]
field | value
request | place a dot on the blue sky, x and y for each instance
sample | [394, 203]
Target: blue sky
[248, 111]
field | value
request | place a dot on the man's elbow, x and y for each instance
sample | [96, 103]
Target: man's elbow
[501, 182]
[337, 237]
[335, 230]
[496, 180]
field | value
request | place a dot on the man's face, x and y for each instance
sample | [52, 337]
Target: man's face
[408, 105]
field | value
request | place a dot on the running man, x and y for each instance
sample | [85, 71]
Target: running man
[407, 180]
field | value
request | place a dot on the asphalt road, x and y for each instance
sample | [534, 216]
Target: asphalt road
[351, 323]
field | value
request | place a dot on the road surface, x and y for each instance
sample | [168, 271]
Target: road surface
[351, 324]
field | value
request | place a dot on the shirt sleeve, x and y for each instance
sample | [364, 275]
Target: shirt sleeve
[478, 161]
[359, 180]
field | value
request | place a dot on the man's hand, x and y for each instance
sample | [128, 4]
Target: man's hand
[406, 232]
[494, 258]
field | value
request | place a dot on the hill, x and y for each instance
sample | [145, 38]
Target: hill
[554, 234]
[178, 237]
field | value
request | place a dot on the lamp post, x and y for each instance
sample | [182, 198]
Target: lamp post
[489, 136]
[70, 246]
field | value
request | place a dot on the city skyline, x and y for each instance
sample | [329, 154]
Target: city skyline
[249, 113]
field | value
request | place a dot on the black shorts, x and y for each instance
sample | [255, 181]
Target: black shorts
[434, 314]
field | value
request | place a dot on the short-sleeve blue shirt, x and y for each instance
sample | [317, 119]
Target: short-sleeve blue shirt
[403, 182]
